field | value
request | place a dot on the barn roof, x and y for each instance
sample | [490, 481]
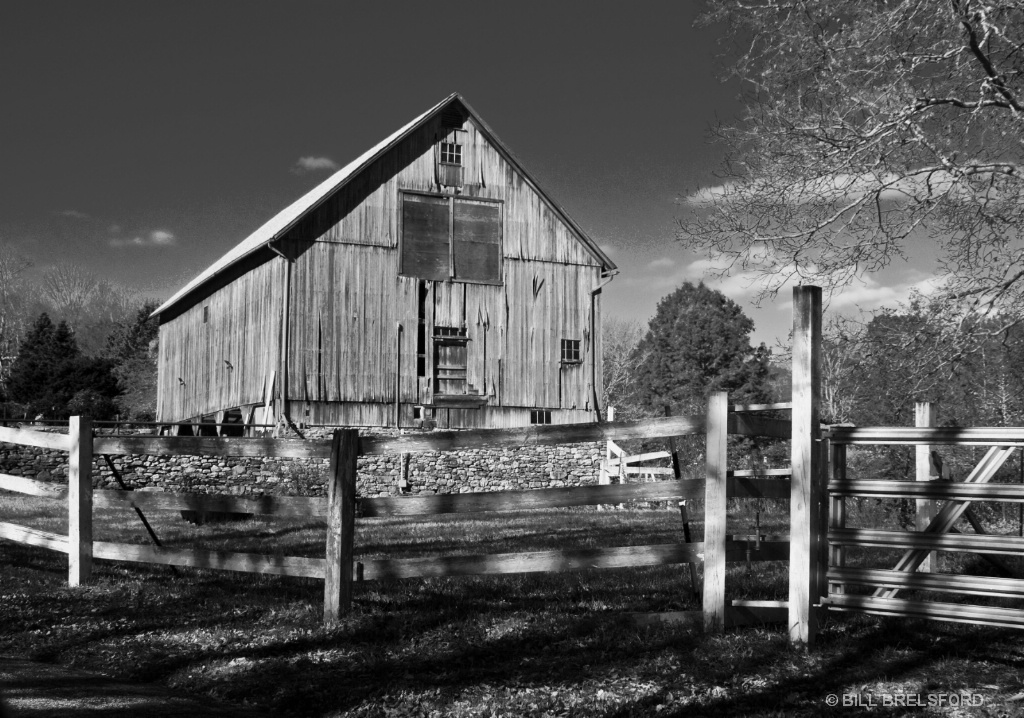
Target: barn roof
[284, 220]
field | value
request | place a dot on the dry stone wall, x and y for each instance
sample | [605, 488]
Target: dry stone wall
[532, 467]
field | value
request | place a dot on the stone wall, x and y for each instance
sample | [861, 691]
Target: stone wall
[434, 472]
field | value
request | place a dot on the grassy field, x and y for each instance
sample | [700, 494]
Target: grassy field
[528, 645]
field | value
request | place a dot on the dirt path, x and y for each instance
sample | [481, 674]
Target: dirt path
[41, 690]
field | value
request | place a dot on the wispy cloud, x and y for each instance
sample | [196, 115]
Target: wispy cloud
[73, 214]
[661, 263]
[156, 238]
[314, 164]
[837, 187]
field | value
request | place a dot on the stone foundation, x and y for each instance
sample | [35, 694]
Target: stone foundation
[533, 467]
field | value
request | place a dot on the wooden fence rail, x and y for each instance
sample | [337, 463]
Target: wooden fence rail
[340, 508]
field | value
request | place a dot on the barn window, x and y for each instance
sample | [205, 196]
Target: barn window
[540, 416]
[451, 238]
[571, 351]
[449, 159]
[206, 314]
[451, 153]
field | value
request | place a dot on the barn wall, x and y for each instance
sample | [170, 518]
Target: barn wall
[223, 362]
[353, 320]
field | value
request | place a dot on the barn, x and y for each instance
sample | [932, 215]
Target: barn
[429, 283]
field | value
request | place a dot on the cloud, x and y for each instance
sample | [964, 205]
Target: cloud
[314, 164]
[156, 238]
[661, 263]
[837, 187]
[73, 214]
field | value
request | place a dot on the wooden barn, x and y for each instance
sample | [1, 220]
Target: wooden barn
[430, 282]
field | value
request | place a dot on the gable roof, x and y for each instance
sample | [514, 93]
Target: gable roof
[284, 220]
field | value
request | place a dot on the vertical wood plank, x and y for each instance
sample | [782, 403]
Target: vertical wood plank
[924, 414]
[715, 506]
[80, 500]
[341, 514]
[805, 496]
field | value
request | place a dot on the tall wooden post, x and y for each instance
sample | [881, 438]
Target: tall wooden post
[79, 500]
[925, 416]
[806, 494]
[341, 519]
[715, 506]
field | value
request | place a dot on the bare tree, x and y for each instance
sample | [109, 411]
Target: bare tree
[14, 307]
[68, 288]
[870, 124]
[620, 338]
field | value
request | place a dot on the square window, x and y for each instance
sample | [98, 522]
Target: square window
[540, 416]
[571, 351]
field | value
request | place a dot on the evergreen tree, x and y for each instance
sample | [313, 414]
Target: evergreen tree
[50, 372]
[697, 343]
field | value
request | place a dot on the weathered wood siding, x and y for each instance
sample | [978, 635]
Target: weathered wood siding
[223, 362]
[353, 319]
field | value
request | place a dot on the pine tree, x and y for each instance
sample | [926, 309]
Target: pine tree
[697, 343]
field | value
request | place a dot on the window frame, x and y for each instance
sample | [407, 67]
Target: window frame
[572, 351]
[540, 417]
[452, 199]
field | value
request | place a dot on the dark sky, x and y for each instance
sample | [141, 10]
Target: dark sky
[144, 139]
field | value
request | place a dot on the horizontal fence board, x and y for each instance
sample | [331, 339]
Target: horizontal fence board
[311, 506]
[752, 425]
[34, 537]
[915, 435]
[529, 499]
[753, 613]
[948, 583]
[778, 406]
[760, 473]
[649, 470]
[736, 551]
[532, 562]
[640, 457]
[220, 560]
[212, 446]
[974, 543]
[940, 490]
[956, 612]
[744, 487]
[534, 435]
[32, 487]
[40, 439]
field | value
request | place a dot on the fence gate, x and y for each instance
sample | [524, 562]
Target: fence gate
[936, 530]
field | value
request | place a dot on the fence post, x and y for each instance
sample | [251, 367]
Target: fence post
[341, 515]
[925, 416]
[806, 493]
[79, 500]
[715, 506]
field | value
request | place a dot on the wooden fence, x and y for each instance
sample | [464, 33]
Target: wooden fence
[342, 508]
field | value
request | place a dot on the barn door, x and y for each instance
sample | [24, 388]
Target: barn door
[450, 361]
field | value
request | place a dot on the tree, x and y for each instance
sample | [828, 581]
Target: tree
[698, 342]
[869, 123]
[51, 376]
[619, 339]
[13, 305]
[133, 346]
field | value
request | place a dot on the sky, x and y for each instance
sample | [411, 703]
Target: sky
[144, 139]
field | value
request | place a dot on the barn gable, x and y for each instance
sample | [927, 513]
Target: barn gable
[430, 280]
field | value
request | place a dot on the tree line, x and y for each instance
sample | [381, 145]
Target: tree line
[72, 343]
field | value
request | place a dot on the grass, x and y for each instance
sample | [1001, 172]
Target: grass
[526, 645]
